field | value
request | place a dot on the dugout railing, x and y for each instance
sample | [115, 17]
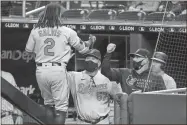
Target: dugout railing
[159, 107]
[39, 113]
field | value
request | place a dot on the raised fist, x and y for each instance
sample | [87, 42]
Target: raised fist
[111, 47]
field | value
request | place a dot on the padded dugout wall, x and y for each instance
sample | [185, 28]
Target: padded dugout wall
[154, 108]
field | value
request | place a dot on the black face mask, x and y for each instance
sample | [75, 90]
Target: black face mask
[137, 65]
[90, 66]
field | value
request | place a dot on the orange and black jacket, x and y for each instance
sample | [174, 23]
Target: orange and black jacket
[130, 80]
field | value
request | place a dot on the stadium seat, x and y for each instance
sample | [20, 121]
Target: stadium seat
[75, 13]
[158, 16]
[5, 8]
[118, 8]
[16, 10]
[131, 15]
[104, 14]
[181, 17]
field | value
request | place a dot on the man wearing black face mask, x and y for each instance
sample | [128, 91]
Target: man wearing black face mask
[92, 64]
[91, 91]
[134, 79]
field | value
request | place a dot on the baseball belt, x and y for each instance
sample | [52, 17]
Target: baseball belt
[8, 113]
[53, 64]
[94, 121]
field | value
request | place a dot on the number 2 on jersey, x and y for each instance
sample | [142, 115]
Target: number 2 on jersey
[49, 46]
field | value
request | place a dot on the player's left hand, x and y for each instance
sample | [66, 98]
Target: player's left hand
[92, 37]
[71, 56]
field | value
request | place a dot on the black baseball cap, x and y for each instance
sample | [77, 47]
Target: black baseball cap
[94, 53]
[141, 53]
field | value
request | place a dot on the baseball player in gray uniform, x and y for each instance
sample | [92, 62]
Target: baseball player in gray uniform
[51, 43]
[90, 90]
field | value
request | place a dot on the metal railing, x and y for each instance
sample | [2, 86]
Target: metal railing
[169, 91]
[34, 11]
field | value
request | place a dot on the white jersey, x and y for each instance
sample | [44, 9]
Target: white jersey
[169, 81]
[54, 44]
[91, 98]
[5, 105]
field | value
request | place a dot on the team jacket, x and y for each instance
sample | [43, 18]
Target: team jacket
[91, 96]
[130, 80]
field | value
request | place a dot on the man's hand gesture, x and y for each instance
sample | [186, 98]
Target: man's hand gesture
[111, 47]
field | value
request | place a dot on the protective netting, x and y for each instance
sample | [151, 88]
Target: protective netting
[175, 46]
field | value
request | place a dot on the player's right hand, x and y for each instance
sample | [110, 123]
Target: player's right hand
[111, 47]
[92, 38]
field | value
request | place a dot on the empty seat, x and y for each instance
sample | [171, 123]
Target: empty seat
[16, 10]
[104, 14]
[158, 16]
[131, 15]
[181, 17]
[5, 8]
[75, 13]
[117, 7]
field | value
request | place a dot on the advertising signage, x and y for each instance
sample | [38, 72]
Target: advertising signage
[107, 28]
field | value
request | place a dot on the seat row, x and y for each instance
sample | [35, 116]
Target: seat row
[108, 14]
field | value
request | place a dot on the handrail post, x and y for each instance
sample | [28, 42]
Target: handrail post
[23, 8]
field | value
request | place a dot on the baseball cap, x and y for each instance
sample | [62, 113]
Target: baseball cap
[160, 56]
[141, 53]
[94, 53]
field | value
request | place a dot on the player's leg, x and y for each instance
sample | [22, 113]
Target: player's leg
[54, 89]
[44, 86]
[60, 89]
[60, 92]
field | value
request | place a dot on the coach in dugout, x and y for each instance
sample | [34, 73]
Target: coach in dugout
[91, 91]
[138, 78]
[158, 63]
